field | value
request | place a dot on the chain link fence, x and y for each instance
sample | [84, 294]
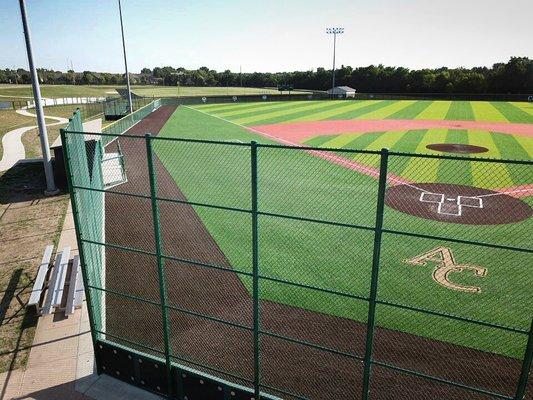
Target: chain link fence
[302, 273]
[117, 108]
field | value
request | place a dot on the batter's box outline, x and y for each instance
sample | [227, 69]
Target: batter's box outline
[445, 202]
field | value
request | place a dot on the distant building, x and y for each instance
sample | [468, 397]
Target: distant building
[344, 91]
[152, 80]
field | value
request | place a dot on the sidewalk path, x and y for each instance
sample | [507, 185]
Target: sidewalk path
[12, 144]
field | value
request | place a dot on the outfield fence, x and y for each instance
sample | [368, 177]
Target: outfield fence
[117, 108]
[446, 96]
[232, 270]
[115, 129]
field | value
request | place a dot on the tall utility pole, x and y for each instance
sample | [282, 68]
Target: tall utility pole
[51, 188]
[73, 73]
[334, 32]
[125, 60]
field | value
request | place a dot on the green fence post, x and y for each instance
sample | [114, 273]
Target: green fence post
[160, 261]
[526, 366]
[375, 273]
[81, 253]
[255, 269]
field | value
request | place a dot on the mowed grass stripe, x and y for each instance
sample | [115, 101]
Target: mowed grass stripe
[388, 110]
[385, 140]
[283, 115]
[460, 111]
[250, 111]
[422, 169]
[341, 141]
[407, 144]
[333, 113]
[362, 141]
[510, 148]
[489, 175]
[436, 110]
[526, 143]
[524, 106]
[453, 171]
[411, 111]
[300, 112]
[482, 138]
[318, 141]
[485, 111]
[458, 136]
[216, 106]
[513, 113]
[371, 105]
[244, 107]
[297, 112]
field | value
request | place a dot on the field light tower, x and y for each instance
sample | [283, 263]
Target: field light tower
[334, 32]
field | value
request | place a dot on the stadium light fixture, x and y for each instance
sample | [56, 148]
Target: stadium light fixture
[125, 60]
[334, 32]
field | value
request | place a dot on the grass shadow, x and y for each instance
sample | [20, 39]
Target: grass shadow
[22, 182]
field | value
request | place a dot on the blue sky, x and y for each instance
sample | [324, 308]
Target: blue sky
[267, 35]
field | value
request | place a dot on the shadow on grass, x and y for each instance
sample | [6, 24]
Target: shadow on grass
[9, 293]
[22, 182]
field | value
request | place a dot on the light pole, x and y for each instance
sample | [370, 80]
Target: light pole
[51, 188]
[334, 32]
[178, 74]
[125, 60]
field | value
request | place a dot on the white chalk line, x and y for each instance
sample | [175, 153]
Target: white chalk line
[324, 154]
[340, 160]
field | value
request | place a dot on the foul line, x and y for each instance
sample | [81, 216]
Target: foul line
[369, 171]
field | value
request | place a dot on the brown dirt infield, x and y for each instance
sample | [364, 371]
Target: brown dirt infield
[476, 206]
[456, 148]
[221, 294]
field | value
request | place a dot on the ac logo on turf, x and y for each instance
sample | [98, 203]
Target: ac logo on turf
[446, 265]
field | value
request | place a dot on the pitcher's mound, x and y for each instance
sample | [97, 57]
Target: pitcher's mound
[456, 148]
[458, 204]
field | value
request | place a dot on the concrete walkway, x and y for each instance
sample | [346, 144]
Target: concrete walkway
[13, 149]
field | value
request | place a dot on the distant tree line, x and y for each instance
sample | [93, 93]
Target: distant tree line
[515, 76]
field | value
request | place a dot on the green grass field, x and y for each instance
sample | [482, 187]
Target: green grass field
[499, 145]
[170, 91]
[18, 92]
[296, 183]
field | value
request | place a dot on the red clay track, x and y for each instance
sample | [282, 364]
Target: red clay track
[293, 134]
[220, 294]
[300, 131]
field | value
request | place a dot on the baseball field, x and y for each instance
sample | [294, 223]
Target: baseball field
[454, 281]
[297, 183]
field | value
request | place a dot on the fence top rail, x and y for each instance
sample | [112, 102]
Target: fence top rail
[306, 148]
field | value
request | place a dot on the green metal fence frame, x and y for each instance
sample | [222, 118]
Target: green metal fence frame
[372, 298]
